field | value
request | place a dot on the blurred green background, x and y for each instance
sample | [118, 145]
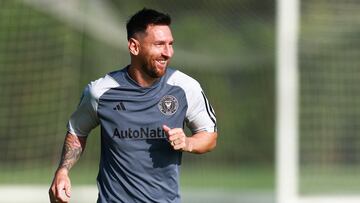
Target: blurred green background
[329, 67]
[50, 50]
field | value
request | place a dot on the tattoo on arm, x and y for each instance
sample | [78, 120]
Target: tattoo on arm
[73, 147]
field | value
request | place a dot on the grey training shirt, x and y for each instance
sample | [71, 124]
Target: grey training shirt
[137, 163]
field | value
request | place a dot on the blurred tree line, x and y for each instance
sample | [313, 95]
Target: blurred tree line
[329, 68]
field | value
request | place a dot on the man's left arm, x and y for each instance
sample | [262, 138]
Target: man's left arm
[198, 143]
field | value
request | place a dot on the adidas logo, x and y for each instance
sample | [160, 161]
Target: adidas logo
[120, 107]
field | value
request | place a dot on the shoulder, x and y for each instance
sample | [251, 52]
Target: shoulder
[178, 78]
[98, 87]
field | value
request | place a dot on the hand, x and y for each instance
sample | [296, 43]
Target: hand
[177, 139]
[60, 190]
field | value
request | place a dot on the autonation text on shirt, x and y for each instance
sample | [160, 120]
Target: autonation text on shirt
[142, 133]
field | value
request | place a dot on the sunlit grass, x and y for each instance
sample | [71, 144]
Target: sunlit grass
[249, 178]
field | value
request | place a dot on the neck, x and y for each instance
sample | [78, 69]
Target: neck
[140, 77]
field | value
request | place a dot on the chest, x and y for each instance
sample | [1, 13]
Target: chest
[125, 108]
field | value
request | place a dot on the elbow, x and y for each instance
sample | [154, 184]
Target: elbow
[213, 142]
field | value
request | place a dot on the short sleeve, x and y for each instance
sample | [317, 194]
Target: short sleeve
[85, 118]
[200, 115]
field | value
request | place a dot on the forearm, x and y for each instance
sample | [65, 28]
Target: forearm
[201, 142]
[72, 150]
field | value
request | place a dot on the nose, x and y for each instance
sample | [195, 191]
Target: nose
[168, 51]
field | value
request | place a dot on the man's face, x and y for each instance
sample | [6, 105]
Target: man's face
[156, 50]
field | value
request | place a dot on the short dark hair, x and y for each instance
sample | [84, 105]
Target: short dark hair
[143, 18]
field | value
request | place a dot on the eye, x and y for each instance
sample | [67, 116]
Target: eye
[158, 44]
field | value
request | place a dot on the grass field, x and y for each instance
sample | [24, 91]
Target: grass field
[332, 180]
[198, 184]
[229, 178]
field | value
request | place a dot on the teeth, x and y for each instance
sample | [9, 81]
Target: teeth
[162, 61]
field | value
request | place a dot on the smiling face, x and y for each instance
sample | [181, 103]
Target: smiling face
[152, 50]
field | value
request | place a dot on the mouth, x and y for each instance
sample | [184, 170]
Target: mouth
[161, 61]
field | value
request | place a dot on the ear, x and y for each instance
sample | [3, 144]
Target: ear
[134, 46]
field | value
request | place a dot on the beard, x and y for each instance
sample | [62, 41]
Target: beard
[153, 71]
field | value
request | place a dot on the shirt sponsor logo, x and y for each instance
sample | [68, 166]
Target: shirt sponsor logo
[168, 105]
[142, 133]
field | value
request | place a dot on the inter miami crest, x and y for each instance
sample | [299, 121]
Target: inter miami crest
[168, 105]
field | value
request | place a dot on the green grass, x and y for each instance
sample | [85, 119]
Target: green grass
[330, 180]
[247, 178]
[229, 178]
[45, 175]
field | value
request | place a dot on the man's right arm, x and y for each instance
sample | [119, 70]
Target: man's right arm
[72, 150]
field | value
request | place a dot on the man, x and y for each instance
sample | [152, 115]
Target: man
[142, 110]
